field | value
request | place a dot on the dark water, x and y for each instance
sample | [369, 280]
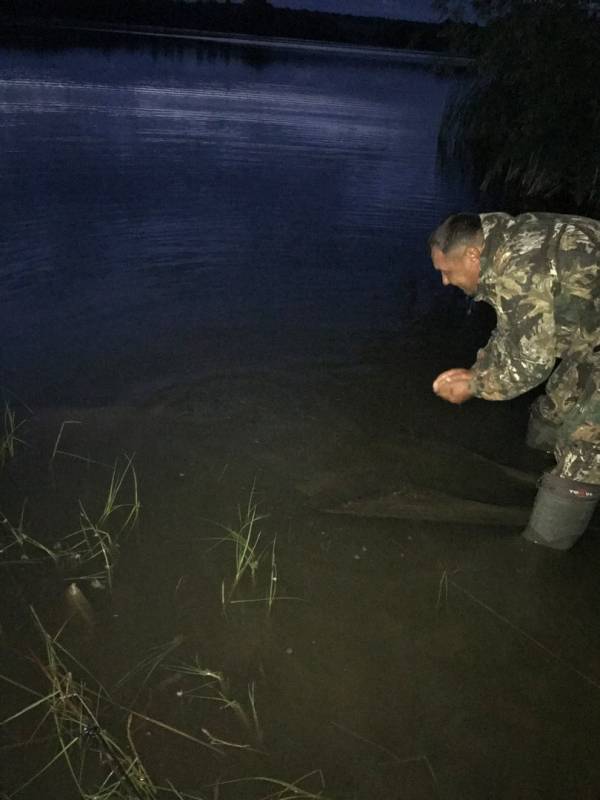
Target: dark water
[162, 195]
[241, 233]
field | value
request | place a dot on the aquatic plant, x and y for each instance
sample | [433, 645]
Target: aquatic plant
[95, 545]
[248, 557]
[70, 712]
[77, 713]
[245, 539]
[217, 690]
[97, 540]
[112, 504]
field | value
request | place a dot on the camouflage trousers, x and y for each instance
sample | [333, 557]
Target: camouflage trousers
[572, 401]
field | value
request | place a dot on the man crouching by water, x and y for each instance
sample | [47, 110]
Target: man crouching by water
[541, 273]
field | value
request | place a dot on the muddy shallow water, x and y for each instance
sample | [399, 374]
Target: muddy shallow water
[382, 658]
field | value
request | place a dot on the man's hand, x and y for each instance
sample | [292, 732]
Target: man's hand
[453, 385]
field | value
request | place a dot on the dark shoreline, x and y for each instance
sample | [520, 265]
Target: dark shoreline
[247, 20]
[37, 27]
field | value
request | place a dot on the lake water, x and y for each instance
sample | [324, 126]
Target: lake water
[167, 204]
[213, 254]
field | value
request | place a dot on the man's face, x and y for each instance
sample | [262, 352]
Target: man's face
[460, 267]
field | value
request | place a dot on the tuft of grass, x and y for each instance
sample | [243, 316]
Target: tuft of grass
[113, 501]
[97, 540]
[76, 712]
[248, 717]
[246, 540]
[96, 543]
[71, 711]
[248, 556]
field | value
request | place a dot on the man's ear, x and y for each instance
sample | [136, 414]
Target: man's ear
[474, 253]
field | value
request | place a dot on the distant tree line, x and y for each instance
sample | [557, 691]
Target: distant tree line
[255, 17]
[529, 124]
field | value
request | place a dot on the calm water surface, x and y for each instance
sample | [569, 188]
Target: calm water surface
[159, 197]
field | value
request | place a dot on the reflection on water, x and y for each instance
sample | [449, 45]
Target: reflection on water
[150, 192]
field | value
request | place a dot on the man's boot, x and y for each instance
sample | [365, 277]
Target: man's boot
[541, 434]
[561, 512]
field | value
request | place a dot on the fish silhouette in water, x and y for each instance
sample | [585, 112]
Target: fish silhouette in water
[79, 606]
[403, 481]
[414, 502]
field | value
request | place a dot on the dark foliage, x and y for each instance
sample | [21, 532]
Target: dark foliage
[254, 17]
[529, 124]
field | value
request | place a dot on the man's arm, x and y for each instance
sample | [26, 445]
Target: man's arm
[520, 353]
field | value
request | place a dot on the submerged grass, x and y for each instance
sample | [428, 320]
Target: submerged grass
[97, 540]
[249, 555]
[91, 734]
[72, 709]
[247, 716]
[92, 551]
[246, 540]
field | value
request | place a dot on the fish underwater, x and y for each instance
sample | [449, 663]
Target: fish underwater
[421, 480]
[79, 606]
[414, 502]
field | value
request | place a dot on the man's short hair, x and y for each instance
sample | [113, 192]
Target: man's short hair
[458, 230]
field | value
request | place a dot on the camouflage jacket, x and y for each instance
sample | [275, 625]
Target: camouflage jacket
[541, 273]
